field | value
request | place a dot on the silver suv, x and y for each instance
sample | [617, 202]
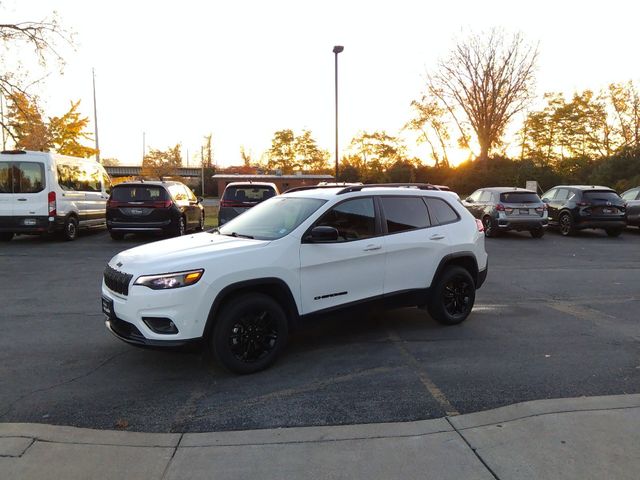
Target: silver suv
[508, 208]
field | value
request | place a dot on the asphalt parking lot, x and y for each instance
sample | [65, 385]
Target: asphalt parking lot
[557, 317]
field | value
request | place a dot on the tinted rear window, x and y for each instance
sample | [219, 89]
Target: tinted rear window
[21, 177]
[600, 195]
[138, 193]
[519, 197]
[248, 194]
[408, 213]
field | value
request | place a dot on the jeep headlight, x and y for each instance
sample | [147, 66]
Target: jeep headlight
[170, 280]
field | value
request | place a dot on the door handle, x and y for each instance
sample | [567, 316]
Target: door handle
[22, 199]
[370, 248]
[436, 236]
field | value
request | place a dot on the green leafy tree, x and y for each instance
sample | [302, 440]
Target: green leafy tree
[308, 155]
[377, 150]
[66, 132]
[282, 154]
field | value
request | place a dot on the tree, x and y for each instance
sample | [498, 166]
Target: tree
[430, 122]
[625, 100]
[247, 160]
[65, 133]
[308, 155]
[110, 162]
[159, 164]
[43, 39]
[377, 149]
[490, 79]
[282, 154]
[207, 152]
[25, 123]
[62, 134]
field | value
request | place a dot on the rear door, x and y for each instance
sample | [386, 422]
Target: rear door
[347, 270]
[29, 196]
[522, 205]
[6, 189]
[412, 242]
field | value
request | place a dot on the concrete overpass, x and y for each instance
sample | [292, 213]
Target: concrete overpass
[134, 171]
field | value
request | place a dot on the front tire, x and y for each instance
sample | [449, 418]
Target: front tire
[6, 236]
[116, 235]
[452, 298]
[613, 232]
[201, 224]
[250, 333]
[70, 229]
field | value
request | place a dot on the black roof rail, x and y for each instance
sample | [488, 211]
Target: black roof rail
[13, 152]
[309, 187]
[419, 186]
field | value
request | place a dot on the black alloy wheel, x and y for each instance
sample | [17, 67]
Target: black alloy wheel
[566, 224]
[249, 333]
[453, 296]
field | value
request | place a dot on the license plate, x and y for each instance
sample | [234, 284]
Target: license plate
[29, 221]
[107, 307]
[607, 210]
[136, 211]
[524, 211]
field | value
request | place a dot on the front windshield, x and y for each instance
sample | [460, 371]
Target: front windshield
[272, 219]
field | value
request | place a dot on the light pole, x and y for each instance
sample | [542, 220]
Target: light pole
[336, 50]
[95, 115]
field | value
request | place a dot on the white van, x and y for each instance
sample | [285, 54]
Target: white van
[43, 192]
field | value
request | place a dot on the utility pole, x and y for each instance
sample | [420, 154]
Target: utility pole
[336, 50]
[202, 168]
[4, 138]
[95, 115]
[144, 147]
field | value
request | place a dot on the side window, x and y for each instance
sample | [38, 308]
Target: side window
[91, 178]
[404, 213]
[178, 193]
[550, 195]
[630, 195]
[441, 212]
[562, 195]
[475, 196]
[354, 219]
[486, 196]
[190, 196]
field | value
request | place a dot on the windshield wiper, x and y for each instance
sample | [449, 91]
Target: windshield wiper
[213, 230]
[237, 235]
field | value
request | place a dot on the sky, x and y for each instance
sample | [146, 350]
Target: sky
[241, 70]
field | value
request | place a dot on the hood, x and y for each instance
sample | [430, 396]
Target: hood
[181, 251]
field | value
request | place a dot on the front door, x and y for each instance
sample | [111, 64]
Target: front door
[350, 269]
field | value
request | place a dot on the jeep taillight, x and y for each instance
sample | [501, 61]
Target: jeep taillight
[500, 207]
[52, 204]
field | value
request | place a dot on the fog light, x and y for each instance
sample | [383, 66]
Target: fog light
[160, 325]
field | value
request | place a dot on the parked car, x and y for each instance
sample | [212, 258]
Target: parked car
[43, 192]
[170, 208]
[238, 197]
[508, 208]
[632, 202]
[576, 207]
[243, 287]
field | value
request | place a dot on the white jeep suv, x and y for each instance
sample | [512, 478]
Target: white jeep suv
[243, 287]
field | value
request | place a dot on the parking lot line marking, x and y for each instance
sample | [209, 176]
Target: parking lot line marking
[431, 387]
[595, 316]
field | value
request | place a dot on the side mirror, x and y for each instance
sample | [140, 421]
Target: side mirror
[200, 199]
[468, 200]
[545, 200]
[323, 234]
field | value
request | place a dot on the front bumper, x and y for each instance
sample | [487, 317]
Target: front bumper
[127, 332]
[482, 276]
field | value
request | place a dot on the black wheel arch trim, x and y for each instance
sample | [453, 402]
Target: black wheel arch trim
[455, 259]
[259, 285]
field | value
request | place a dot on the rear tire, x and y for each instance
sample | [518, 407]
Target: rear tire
[200, 227]
[181, 228]
[6, 236]
[537, 232]
[250, 333]
[613, 232]
[566, 224]
[490, 229]
[70, 229]
[453, 296]
[117, 235]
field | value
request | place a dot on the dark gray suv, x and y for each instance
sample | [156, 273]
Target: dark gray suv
[238, 197]
[508, 208]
